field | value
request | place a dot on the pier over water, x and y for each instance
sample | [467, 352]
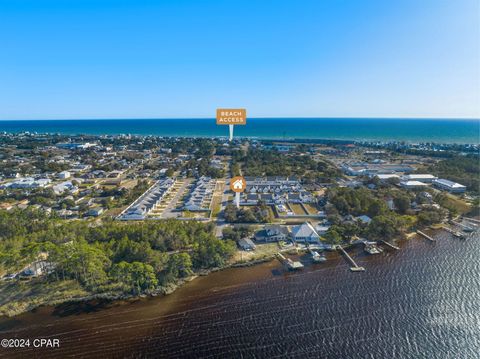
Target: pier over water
[355, 267]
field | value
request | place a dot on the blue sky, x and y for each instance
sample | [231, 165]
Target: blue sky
[149, 59]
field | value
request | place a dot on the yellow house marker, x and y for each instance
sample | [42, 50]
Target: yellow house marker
[238, 185]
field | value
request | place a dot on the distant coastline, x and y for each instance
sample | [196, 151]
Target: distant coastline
[461, 131]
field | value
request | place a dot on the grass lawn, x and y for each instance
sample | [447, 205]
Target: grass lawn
[263, 250]
[311, 208]
[459, 204]
[114, 211]
[297, 209]
[216, 205]
[130, 183]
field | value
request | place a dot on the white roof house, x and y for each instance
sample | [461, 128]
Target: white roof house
[384, 177]
[27, 182]
[246, 244]
[413, 184]
[65, 187]
[449, 185]
[148, 201]
[427, 178]
[200, 197]
[95, 212]
[322, 229]
[64, 174]
[305, 233]
[134, 213]
[364, 219]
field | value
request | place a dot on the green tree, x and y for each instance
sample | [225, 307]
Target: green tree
[87, 263]
[376, 208]
[179, 265]
[402, 204]
[383, 227]
[137, 276]
[332, 236]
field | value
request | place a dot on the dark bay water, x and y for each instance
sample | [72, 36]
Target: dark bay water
[422, 301]
[377, 129]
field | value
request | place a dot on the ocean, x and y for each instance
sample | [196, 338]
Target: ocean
[422, 301]
[409, 130]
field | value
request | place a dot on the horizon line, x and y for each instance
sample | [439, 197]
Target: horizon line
[259, 117]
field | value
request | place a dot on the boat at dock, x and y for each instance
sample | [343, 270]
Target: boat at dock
[372, 248]
[464, 227]
[453, 232]
[317, 257]
[288, 263]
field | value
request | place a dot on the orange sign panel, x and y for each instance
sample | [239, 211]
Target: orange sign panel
[231, 116]
[238, 184]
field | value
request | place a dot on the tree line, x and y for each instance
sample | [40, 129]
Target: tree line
[385, 224]
[130, 257]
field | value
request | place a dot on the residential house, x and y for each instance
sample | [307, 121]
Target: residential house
[272, 233]
[246, 244]
[305, 233]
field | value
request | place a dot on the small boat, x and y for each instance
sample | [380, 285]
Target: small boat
[293, 265]
[372, 248]
[464, 227]
[318, 258]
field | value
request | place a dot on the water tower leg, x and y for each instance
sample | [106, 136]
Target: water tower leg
[237, 199]
[230, 127]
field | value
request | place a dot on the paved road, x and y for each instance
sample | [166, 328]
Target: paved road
[169, 212]
[220, 222]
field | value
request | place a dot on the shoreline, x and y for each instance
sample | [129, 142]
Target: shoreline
[258, 129]
[253, 297]
[168, 289]
[171, 287]
[114, 297]
[294, 140]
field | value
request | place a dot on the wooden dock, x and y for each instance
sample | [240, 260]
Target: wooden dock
[454, 233]
[390, 245]
[356, 267]
[471, 220]
[288, 263]
[426, 236]
[463, 226]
